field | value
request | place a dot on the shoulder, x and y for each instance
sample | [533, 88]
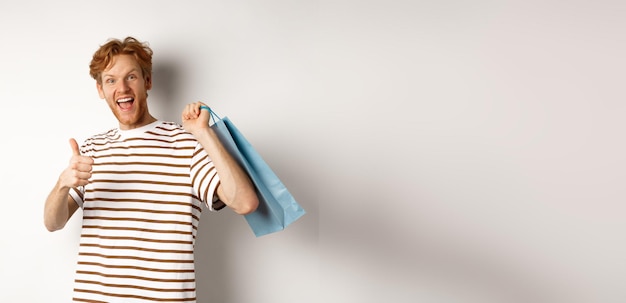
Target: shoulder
[172, 130]
[169, 127]
[109, 135]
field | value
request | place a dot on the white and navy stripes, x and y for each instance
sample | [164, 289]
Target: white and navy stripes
[141, 212]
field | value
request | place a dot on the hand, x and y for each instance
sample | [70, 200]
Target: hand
[78, 171]
[195, 118]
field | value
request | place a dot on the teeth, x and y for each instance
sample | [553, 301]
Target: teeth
[124, 100]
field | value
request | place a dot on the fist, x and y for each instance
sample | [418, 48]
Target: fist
[195, 118]
[78, 171]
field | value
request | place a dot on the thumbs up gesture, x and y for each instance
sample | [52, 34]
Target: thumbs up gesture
[78, 171]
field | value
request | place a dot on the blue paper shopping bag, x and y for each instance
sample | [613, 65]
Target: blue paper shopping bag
[277, 207]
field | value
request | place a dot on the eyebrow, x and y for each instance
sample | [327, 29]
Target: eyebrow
[134, 70]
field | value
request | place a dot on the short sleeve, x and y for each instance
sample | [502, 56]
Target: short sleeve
[77, 193]
[204, 179]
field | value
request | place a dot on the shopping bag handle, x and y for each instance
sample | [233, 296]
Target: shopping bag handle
[214, 116]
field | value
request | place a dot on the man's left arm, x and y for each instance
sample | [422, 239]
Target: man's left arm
[236, 189]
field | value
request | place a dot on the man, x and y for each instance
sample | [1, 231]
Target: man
[142, 187]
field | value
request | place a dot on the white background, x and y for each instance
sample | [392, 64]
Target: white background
[445, 151]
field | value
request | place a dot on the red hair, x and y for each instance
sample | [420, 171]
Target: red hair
[129, 46]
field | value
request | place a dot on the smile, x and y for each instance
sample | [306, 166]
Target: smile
[125, 103]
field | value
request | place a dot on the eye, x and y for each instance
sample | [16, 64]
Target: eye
[132, 77]
[109, 81]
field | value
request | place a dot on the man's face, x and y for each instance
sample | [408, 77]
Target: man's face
[126, 92]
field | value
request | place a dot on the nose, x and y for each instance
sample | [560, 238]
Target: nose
[122, 86]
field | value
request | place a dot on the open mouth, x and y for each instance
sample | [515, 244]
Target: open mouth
[125, 103]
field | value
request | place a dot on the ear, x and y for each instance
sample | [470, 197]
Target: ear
[100, 91]
[148, 82]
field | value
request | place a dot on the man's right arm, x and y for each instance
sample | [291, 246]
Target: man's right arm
[60, 206]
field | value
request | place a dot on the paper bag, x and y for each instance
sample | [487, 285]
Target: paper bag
[277, 207]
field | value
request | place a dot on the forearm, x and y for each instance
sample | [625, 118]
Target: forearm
[236, 189]
[56, 209]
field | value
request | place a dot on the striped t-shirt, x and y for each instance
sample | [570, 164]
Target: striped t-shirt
[141, 211]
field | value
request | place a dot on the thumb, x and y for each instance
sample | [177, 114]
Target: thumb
[74, 145]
